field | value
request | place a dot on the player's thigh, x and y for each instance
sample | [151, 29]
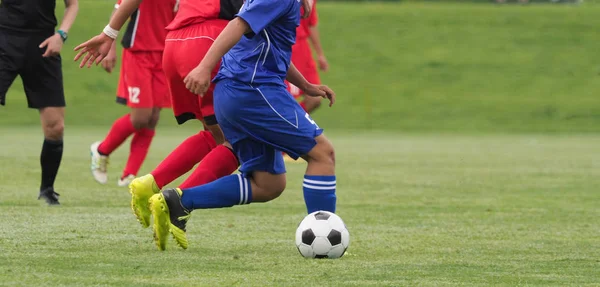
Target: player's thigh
[43, 81]
[11, 59]
[268, 114]
[137, 80]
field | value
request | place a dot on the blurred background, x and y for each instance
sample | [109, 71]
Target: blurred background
[411, 66]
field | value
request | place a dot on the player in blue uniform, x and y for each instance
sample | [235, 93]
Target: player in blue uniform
[259, 117]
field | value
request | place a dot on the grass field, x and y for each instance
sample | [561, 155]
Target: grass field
[467, 148]
[422, 210]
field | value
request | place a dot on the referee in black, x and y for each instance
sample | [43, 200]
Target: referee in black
[30, 47]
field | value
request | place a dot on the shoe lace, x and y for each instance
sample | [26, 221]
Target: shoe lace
[185, 217]
[100, 163]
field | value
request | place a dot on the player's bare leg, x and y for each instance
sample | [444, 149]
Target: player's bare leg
[144, 121]
[52, 119]
[310, 104]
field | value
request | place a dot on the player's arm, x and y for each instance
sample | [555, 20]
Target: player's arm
[110, 61]
[315, 41]
[295, 77]
[198, 80]
[71, 9]
[95, 49]
[54, 43]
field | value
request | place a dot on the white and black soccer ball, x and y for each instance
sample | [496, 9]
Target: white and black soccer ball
[322, 234]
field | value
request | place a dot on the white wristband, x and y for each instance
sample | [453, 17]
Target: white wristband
[110, 32]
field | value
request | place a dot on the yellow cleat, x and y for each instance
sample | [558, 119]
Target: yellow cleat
[160, 211]
[169, 216]
[141, 189]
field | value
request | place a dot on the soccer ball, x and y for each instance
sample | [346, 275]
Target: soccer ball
[322, 234]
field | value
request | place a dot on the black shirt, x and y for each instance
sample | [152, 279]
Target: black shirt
[28, 15]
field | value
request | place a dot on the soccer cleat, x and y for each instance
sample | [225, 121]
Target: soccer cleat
[126, 180]
[50, 196]
[99, 164]
[169, 216]
[141, 189]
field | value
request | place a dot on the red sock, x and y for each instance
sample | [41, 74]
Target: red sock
[218, 163]
[121, 129]
[183, 158]
[140, 144]
[303, 105]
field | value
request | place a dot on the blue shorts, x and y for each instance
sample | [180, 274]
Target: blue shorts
[260, 122]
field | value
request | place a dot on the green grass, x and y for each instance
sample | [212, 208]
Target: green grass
[474, 68]
[422, 210]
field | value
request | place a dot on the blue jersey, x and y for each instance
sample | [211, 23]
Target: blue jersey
[263, 56]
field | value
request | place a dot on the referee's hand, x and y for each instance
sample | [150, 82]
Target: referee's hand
[53, 45]
[94, 50]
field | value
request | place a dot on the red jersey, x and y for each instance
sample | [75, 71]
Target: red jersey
[146, 28]
[198, 11]
[303, 30]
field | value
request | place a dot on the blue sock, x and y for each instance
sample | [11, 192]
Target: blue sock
[319, 192]
[224, 192]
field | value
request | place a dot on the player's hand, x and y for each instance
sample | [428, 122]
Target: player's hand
[323, 64]
[198, 81]
[94, 50]
[53, 45]
[109, 63]
[307, 6]
[320, 91]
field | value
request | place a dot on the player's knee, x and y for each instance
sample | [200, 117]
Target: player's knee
[154, 119]
[54, 130]
[142, 121]
[323, 152]
[312, 103]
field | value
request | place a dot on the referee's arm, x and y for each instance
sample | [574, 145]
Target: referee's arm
[71, 9]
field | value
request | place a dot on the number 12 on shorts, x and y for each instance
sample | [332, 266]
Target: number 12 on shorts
[134, 94]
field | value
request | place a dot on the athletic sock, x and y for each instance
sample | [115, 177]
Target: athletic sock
[219, 162]
[183, 158]
[140, 144]
[228, 191]
[319, 192]
[50, 161]
[121, 129]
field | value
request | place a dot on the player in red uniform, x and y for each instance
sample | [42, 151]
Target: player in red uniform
[142, 87]
[302, 57]
[192, 32]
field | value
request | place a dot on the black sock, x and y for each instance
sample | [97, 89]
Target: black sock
[50, 161]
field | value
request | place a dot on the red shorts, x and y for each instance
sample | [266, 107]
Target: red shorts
[184, 50]
[142, 83]
[304, 62]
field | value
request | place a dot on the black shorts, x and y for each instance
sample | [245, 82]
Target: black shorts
[42, 77]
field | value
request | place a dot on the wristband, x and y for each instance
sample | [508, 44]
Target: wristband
[63, 35]
[110, 32]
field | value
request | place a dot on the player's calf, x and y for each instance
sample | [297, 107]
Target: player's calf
[320, 183]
